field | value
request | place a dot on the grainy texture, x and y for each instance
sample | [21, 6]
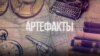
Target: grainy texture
[58, 40]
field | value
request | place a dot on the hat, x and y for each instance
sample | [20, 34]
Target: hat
[26, 8]
[3, 6]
